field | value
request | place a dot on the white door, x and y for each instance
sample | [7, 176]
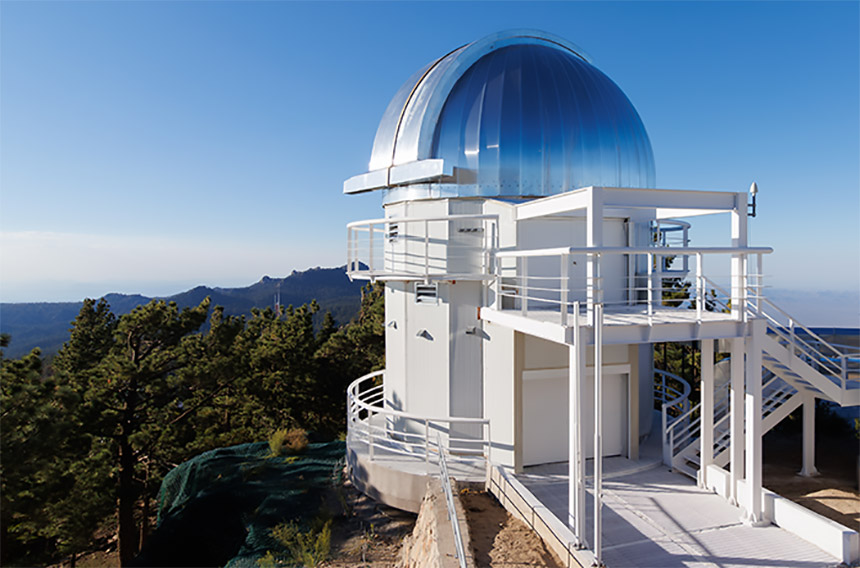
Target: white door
[545, 417]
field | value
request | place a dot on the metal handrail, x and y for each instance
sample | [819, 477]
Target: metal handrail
[554, 289]
[395, 220]
[814, 351]
[659, 251]
[681, 398]
[361, 412]
[449, 500]
[370, 254]
[833, 361]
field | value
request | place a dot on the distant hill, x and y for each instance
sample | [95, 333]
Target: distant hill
[46, 324]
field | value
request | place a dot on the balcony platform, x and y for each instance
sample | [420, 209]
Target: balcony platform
[621, 324]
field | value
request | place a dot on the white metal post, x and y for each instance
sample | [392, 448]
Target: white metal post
[593, 238]
[793, 343]
[574, 473]
[579, 343]
[631, 265]
[753, 427]
[650, 288]
[736, 424]
[664, 422]
[760, 283]
[706, 450]
[700, 286]
[565, 271]
[808, 467]
[598, 432]
[370, 253]
[524, 290]
[739, 239]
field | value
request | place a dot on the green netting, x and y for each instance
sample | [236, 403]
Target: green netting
[218, 508]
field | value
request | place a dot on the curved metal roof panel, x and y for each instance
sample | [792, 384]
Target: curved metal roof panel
[517, 114]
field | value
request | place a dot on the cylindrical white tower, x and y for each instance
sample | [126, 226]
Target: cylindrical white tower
[509, 118]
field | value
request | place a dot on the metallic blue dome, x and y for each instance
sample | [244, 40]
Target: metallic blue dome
[516, 114]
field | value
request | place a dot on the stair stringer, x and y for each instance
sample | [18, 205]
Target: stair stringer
[687, 460]
[825, 385]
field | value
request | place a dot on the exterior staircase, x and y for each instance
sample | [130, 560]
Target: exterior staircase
[795, 361]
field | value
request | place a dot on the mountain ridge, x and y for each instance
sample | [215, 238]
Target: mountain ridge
[46, 324]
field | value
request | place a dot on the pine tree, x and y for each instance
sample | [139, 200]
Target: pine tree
[123, 372]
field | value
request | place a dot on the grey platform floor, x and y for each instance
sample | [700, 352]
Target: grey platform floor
[656, 518]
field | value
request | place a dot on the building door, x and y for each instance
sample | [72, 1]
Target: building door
[545, 417]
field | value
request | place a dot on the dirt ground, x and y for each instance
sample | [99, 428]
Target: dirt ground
[498, 539]
[371, 535]
[834, 492]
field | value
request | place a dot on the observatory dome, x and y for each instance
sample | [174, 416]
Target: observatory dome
[516, 114]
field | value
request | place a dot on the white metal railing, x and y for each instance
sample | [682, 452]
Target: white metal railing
[674, 403]
[839, 361]
[449, 501]
[552, 279]
[447, 246]
[684, 430]
[680, 432]
[389, 431]
[828, 359]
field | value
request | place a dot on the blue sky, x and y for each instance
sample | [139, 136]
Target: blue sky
[152, 146]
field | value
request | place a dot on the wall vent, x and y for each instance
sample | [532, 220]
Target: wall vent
[426, 293]
[393, 232]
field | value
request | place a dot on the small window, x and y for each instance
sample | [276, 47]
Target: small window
[426, 293]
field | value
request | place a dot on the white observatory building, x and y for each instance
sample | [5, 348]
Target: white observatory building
[528, 259]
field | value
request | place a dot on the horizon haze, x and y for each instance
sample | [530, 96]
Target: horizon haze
[152, 147]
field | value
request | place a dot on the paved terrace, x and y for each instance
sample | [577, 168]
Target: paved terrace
[657, 518]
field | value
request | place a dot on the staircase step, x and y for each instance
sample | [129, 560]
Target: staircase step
[686, 470]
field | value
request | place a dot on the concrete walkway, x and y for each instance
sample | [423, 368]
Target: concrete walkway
[657, 518]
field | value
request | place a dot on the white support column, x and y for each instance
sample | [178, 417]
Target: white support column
[752, 413]
[593, 238]
[739, 239]
[736, 424]
[706, 450]
[808, 469]
[598, 433]
[576, 463]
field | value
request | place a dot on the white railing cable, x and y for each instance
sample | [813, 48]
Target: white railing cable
[817, 352]
[369, 422]
[528, 283]
[422, 247]
[449, 500]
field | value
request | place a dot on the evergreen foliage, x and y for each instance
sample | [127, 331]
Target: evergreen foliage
[88, 438]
